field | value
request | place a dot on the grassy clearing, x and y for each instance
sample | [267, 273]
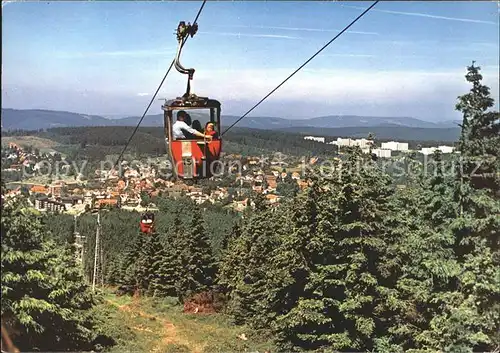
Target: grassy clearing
[158, 325]
[43, 144]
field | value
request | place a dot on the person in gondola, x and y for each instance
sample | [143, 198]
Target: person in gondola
[180, 129]
[187, 120]
[210, 130]
[197, 126]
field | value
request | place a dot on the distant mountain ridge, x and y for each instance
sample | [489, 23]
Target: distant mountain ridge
[34, 119]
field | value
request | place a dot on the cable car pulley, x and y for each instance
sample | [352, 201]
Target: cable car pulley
[183, 31]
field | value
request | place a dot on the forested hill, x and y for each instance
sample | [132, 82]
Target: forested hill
[34, 119]
[97, 142]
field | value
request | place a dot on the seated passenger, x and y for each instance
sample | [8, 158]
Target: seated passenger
[210, 130]
[197, 126]
[189, 136]
[181, 130]
[187, 120]
[147, 219]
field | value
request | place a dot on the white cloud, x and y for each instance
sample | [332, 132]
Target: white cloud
[312, 92]
[426, 15]
[353, 55]
[340, 87]
[301, 29]
[143, 94]
[233, 34]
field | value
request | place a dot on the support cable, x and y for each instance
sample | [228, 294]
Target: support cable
[157, 90]
[301, 66]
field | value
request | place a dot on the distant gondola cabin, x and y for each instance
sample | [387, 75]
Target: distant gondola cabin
[147, 223]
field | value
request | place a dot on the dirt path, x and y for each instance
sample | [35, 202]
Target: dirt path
[169, 334]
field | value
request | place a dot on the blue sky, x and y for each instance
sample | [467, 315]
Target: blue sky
[107, 58]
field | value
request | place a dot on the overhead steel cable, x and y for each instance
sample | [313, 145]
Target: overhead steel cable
[157, 90]
[301, 66]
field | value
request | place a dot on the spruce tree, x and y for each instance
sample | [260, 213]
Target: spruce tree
[233, 235]
[246, 264]
[231, 260]
[453, 284]
[113, 273]
[228, 260]
[197, 265]
[348, 258]
[146, 269]
[161, 277]
[44, 299]
[129, 281]
[171, 269]
[428, 263]
[480, 138]
[73, 294]
[300, 249]
[475, 314]
[361, 252]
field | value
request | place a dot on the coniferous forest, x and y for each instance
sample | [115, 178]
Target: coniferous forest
[352, 263]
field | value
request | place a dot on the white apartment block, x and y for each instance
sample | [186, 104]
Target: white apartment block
[382, 153]
[430, 150]
[395, 146]
[427, 150]
[315, 138]
[362, 143]
[343, 142]
[446, 149]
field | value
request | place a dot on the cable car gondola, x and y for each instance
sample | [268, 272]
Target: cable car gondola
[192, 158]
[147, 224]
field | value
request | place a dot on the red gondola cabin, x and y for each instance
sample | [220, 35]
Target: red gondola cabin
[194, 157]
[147, 224]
